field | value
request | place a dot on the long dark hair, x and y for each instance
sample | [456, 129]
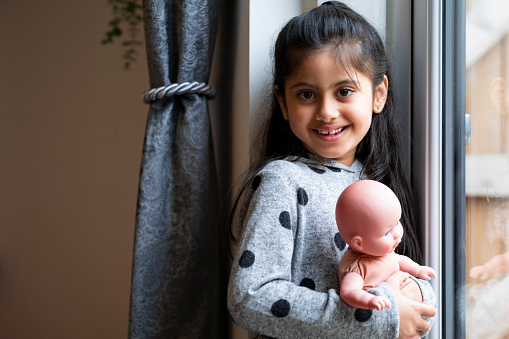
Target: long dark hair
[359, 47]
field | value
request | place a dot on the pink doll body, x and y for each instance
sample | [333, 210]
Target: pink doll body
[367, 215]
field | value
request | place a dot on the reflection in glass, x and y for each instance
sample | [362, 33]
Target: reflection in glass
[487, 170]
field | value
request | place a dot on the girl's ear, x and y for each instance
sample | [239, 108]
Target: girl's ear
[282, 103]
[356, 243]
[381, 91]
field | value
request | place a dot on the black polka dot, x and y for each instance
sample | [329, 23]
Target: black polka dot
[362, 315]
[309, 283]
[340, 243]
[302, 197]
[334, 169]
[280, 308]
[317, 170]
[284, 219]
[246, 259]
[256, 182]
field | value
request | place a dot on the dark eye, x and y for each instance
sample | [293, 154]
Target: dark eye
[306, 95]
[344, 92]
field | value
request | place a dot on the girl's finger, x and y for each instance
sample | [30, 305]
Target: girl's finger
[426, 310]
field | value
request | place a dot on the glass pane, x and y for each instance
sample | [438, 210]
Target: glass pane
[487, 170]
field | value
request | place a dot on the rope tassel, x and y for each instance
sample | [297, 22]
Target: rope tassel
[179, 89]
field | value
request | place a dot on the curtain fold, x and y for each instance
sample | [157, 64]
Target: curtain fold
[177, 289]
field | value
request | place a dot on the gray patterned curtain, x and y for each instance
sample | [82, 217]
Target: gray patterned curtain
[176, 283]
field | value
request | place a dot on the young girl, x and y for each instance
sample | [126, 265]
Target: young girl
[332, 123]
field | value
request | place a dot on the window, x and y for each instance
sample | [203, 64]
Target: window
[487, 170]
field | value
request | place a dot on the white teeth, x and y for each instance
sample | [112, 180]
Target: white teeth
[334, 131]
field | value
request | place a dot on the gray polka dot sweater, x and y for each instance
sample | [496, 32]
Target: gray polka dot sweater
[284, 278]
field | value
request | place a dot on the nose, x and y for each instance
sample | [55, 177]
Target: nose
[328, 109]
[398, 231]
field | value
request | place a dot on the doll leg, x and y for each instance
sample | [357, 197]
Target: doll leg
[411, 290]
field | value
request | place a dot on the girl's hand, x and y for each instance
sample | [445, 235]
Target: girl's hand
[410, 311]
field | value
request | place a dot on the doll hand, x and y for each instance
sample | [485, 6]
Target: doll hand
[378, 303]
[425, 272]
[479, 272]
[499, 264]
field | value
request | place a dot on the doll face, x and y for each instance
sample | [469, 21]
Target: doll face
[382, 239]
[368, 214]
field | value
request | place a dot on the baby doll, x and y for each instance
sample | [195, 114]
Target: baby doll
[367, 216]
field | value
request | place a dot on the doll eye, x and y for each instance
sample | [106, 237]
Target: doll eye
[386, 234]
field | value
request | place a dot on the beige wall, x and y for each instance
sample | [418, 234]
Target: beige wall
[71, 135]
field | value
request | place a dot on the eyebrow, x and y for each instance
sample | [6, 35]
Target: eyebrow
[339, 83]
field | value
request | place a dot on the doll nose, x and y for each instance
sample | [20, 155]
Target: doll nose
[398, 231]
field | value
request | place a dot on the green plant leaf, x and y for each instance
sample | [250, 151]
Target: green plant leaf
[126, 21]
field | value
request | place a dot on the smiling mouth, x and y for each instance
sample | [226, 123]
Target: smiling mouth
[331, 132]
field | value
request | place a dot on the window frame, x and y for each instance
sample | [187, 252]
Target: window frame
[438, 161]
[427, 138]
[454, 150]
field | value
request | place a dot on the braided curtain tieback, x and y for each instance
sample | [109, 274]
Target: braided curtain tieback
[179, 89]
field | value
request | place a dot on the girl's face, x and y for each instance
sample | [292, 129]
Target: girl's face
[328, 110]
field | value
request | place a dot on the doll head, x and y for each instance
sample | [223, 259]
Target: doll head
[367, 216]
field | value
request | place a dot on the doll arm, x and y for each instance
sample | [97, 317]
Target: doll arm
[497, 264]
[351, 292]
[408, 265]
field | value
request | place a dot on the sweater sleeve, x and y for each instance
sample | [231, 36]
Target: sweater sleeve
[262, 296]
